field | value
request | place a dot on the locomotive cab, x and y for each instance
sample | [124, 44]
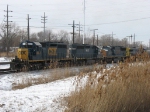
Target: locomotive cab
[30, 50]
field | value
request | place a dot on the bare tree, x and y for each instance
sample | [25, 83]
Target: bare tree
[7, 42]
[34, 37]
[3, 35]
[63, 36]
[40, 36]
[79, 39]
[49, 36]
[23, 35]
[105, 40]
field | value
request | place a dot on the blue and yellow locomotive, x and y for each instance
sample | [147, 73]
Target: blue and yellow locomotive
[40, 55]
[37, 55]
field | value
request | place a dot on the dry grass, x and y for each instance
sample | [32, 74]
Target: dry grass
[125, 88]
[29, 81]
[10, 54]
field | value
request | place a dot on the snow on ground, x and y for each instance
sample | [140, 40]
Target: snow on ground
[37, 98]
[8, 80]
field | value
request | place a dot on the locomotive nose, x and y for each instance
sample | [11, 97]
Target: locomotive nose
[22, 53]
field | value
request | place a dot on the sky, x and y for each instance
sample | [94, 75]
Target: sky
[121, 17]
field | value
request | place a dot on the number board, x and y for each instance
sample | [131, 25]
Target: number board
[52, 51]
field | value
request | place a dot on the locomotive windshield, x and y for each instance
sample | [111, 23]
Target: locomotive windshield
[26, 45]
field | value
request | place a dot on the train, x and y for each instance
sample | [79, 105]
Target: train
[41, 55]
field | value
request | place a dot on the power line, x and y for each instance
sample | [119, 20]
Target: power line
[46, 4]
[120, 21]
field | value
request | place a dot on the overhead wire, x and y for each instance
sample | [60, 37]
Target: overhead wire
[82, 13]
[121, 21]
[39, 15]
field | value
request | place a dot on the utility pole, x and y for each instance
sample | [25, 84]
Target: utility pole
[97, 40]
[28, 27]
[94, 35]
[129, 40]
[7, 26]
[134, 40]
[49, 36]
[125, 42]
[112, 38]
[73, 29]
[44, 21]
[84, 23]
[79, 29]
[141, 42]
[149, 43]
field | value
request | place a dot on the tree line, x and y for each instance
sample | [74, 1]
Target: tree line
[17, 35]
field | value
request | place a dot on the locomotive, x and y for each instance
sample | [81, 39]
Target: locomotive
[85, 53]
[115, 53]
[40, 55]
[36, 55]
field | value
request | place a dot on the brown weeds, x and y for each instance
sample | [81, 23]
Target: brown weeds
[10, 54]
[123, 88]
[42, 79]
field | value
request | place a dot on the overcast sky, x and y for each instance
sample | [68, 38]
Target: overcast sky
[122, 17]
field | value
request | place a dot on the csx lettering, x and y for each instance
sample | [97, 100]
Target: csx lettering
[52, 51]
[22, 52]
